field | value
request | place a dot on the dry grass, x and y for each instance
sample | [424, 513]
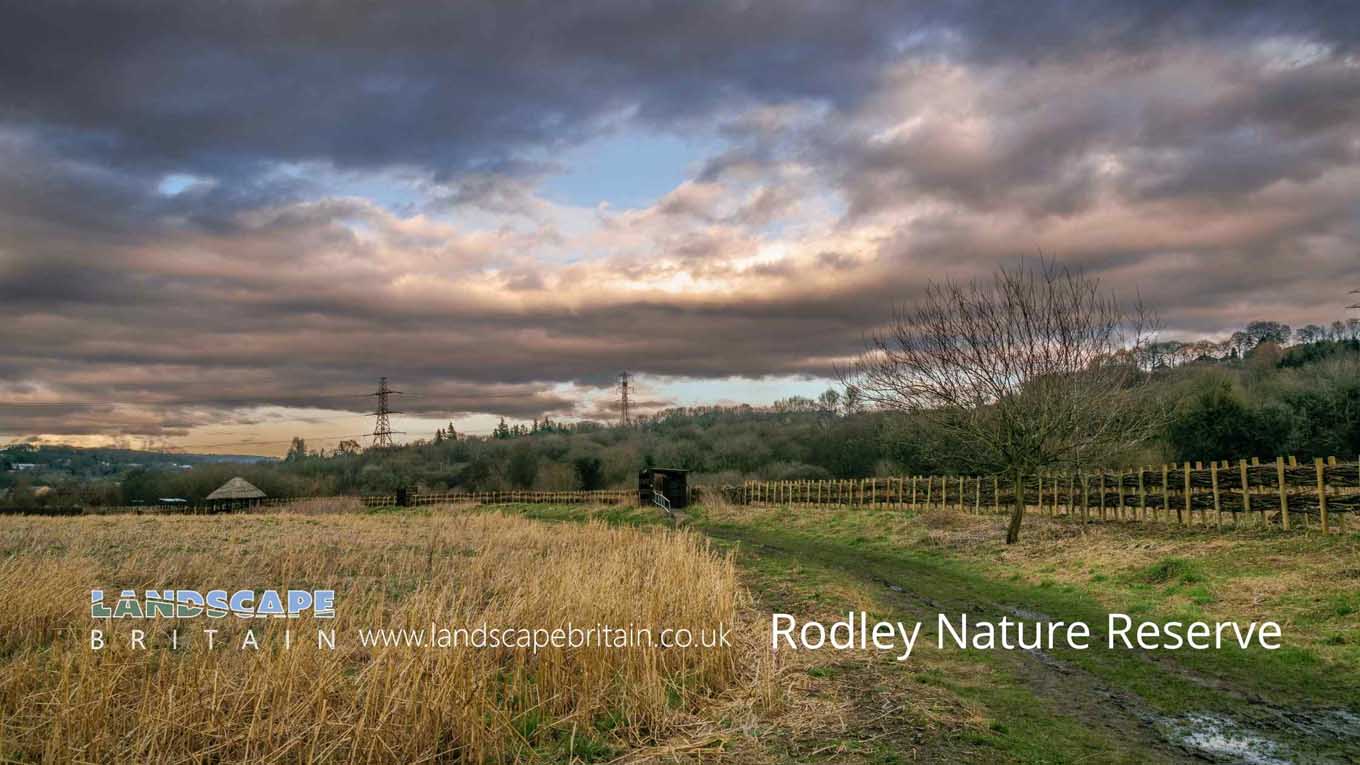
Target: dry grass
[62, 702]
[324, 506]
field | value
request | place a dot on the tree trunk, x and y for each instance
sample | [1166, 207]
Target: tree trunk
[1018, 512]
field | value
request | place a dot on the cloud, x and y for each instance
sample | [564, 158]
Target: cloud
[209, 209]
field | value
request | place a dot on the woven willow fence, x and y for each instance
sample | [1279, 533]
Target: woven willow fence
[1282, 492]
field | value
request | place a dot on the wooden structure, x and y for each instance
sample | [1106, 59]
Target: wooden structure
[671, 483]
[238, 492]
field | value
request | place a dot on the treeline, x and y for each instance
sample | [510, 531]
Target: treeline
[1266, 400]
[1260, 399]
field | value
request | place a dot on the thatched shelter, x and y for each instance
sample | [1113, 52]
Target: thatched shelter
[236, 489]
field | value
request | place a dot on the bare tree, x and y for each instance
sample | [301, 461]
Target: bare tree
[1037, 370]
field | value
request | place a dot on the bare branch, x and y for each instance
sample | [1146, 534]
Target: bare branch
[1039, 369]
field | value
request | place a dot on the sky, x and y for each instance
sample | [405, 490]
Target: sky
[220, 223]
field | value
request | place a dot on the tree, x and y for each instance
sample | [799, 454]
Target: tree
[829, 402]
[1216, 423]
[852, 400]
[1267, 332]
[1311, 333]
[1032, 371]
[522, 469]
[297, 451]
[589, 473]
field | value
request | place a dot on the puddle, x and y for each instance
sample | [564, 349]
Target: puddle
[1316, 736]
[1336, 724]
[1221, 739]
[1030, 616]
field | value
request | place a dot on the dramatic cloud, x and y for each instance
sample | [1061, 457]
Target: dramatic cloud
[235, 213]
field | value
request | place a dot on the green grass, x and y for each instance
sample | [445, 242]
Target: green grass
[1178, 570]
[811, 558]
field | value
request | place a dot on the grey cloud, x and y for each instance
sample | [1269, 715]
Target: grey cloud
[255, 288]
[452, 87]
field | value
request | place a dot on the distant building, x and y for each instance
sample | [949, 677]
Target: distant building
[18, 466]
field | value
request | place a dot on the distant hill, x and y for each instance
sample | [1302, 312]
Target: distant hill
[100, 461]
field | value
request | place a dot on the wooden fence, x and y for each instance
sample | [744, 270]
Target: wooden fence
[1282, 492]
[368, 500]
[608, 497]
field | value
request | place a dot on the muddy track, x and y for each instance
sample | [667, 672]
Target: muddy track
[922, 592]
[1074, 691]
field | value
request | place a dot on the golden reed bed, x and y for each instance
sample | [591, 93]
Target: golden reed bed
[60, 701]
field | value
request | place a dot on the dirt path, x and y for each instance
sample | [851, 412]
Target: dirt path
[910, 596]
[1254, 732]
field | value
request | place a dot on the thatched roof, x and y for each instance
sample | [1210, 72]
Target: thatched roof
[237, 488]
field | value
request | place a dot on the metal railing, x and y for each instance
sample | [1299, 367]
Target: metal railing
[660, 501]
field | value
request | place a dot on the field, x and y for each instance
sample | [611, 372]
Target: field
[63, 702]
[1298, 703]
[547, 565]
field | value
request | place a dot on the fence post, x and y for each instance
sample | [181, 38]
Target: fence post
[1119, 494]
[1166, 494]
[1284, 493]
[1213, 481]
[1322, 494]
[1142, 495]
[1189, 516]
[1085, 499]
[1246, 489]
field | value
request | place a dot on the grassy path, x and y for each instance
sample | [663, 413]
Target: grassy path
[1097, 705]
[1031, 697]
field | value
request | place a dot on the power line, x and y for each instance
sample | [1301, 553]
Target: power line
[181, 447]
